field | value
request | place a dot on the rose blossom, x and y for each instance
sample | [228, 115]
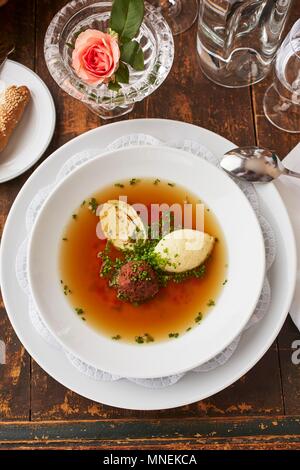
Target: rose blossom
[96, 56]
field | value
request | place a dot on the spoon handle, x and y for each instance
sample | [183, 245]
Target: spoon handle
[295, 174]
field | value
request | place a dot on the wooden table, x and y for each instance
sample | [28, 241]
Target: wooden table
[261, 410]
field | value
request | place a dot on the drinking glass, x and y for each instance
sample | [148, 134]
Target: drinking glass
[180, 14]
[237, 40]
[282, 99]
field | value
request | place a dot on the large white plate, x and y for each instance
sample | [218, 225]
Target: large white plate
[235, 305]
[34, 132]
[289, 188]
[193, 387]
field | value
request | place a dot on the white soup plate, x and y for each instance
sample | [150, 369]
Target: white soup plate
[246, 263]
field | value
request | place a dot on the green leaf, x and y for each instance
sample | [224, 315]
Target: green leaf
[122, 74]
[126, 18]
[133, 54]
[114, 86]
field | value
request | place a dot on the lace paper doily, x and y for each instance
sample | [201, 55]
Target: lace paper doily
[76, 161]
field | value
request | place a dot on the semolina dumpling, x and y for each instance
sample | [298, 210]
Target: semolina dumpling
[184, 249]
[121, 224]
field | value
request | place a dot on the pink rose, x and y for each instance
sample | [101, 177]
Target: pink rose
[96, 56]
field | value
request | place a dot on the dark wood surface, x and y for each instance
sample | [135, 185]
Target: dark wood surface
[261, 410]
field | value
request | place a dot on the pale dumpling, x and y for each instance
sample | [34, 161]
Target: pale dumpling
[184, 249]
[121, 224]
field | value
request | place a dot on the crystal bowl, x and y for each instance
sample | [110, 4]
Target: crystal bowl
[156, 41]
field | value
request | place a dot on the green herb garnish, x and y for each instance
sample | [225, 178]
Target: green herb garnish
[173, 335]
[146, 338]
[211, 303]
[144, 251]
[198, 317]
[66, 289]
[139, 340]
[93, 205]
[79, 311]
[134, 181]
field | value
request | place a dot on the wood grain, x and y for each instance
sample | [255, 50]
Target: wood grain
[283, 142]
[267, 134]
[250, 413]
[188, 96]
[251, 395]
[155, 434]
[15, 374]
[289, 370]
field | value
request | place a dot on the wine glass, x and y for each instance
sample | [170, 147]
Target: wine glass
[180, 14]
[282, 99]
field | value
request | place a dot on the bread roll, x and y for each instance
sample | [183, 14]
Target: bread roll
[13, 101]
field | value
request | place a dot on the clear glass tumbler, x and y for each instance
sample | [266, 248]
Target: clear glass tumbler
[238, 39]
[282, 99]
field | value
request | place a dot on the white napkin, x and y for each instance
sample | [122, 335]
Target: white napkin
[289, 189]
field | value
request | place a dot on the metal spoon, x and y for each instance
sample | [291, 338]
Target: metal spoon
[255, 165]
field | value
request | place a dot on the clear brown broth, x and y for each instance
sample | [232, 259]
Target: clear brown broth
[176, 306]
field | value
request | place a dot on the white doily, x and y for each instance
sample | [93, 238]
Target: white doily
[76, 161]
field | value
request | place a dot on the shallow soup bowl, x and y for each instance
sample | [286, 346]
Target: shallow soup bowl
[224, 322]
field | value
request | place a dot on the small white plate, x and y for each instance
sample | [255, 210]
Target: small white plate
[35, 130]
[244, 243]
[193, 386]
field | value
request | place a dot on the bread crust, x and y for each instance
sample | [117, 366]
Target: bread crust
[13, 101]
